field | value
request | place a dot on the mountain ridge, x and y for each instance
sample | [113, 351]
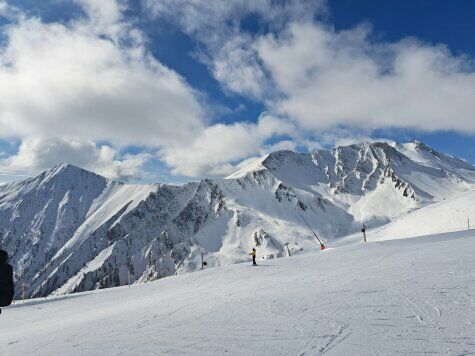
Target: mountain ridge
[70, 230]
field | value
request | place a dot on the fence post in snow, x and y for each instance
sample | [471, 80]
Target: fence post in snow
[203, 262]
[363, 230]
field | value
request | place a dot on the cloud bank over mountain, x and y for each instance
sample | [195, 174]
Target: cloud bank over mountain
[92, 85]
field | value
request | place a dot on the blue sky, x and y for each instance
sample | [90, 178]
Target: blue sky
[176, 90]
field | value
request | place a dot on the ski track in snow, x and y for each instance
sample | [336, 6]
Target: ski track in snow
[401, 297]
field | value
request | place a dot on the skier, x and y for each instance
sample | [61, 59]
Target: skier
[6, 281]
[253, 254]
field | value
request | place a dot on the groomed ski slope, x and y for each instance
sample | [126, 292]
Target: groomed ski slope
[407, 296]
[452, 214]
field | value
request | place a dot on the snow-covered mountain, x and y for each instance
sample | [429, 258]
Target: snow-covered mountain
[71, 230]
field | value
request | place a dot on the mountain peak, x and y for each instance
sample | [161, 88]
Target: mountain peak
[66, 172]
[68, 169]
[421, 145]
[65, 167]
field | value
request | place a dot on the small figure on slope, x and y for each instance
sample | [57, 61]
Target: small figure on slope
[6, 281]
[253, 254]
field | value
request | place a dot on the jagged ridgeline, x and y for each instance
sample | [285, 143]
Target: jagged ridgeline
[70, 230]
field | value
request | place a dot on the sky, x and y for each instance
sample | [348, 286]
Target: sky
[178, 90]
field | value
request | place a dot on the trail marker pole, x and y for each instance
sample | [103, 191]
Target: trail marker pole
[129, 275]
[363, 230]
[288, 251]
[23, 292]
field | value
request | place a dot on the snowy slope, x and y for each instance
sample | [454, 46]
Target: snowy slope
[409, 297]
[452, 214]
[374, 182]
[56, 224]
[70, 230]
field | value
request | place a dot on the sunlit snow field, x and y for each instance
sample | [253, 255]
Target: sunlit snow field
[406, 296]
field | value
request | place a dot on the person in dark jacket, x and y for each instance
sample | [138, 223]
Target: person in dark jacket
[6, 281]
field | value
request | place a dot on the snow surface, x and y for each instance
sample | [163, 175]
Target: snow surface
[451, 214]
[255, 165]
[408, 296]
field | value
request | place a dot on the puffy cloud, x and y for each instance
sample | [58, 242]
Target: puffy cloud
[331, 78]
[93, 79]
[229, 51]
[104, 17]
[217, 149]
[64, 86]
[235, 66]
[68, 80]
[324, 79]
[39, 154]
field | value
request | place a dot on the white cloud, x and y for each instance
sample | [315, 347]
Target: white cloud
[103, 17]
[333, 78]
[235, 66]
[92, 80]
[216, 150]
[324, 79]
[229, 51]
[39, 154]
[66, 86]
[202, 17]
[66, 80]
[8, 11]
[89, 80]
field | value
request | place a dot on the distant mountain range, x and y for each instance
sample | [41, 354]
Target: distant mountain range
[70, 230]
